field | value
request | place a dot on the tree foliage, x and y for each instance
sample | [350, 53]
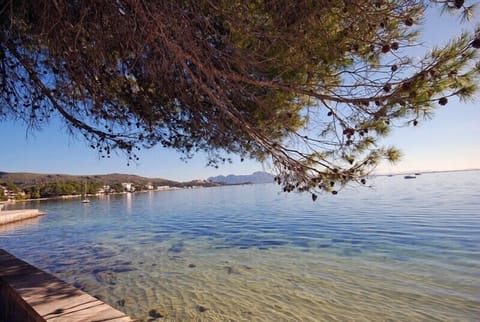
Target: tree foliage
[309, 86]
[52, 189]
[3, 197]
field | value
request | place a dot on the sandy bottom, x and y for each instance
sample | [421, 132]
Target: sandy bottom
[193, 281]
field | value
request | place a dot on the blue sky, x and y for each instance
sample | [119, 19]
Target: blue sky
[450, 141]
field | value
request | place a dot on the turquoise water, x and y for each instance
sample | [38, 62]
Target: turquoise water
[403, 250]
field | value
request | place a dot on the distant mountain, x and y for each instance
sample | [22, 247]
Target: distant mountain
[256, 177]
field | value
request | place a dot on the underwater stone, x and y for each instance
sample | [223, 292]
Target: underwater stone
[155, 314]
[106, 277]
[201, 308]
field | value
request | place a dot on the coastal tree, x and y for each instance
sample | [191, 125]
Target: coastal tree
[3, 197]
[309, 86]
[117, 187]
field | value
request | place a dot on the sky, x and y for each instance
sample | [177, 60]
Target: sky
[450, 141]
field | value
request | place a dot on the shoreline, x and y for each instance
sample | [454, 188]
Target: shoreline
[66, 197]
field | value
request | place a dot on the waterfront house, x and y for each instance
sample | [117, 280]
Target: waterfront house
[128, 187]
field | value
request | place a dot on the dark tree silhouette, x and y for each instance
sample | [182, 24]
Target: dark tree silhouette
[308, 85]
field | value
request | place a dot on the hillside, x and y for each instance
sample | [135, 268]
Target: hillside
[25, 179]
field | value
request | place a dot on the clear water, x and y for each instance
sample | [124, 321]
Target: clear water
[406, 250]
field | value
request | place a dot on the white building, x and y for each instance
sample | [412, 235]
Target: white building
[127, 186]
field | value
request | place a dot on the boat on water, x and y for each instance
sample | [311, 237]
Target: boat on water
[409, 177]
[85, 199]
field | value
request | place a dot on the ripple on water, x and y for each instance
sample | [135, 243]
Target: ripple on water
[245, 253]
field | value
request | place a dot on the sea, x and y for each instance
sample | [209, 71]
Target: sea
[392, 250]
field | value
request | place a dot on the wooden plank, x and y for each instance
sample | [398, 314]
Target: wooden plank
[49, 297]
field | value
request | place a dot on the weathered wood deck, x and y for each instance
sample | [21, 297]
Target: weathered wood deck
[9, 216]
[30, 294]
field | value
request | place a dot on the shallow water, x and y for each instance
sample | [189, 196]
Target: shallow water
[403, 250]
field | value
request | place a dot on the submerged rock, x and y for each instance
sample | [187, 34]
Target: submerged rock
[237, 269]
[106, 277]
[153, 313]
[177, 247]
[123, 269]
[201, 308]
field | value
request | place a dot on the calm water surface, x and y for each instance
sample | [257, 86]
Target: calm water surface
[406, 250]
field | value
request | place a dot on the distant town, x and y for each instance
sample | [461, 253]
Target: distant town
[18, 186]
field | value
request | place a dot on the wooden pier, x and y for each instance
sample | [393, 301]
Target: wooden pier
[30, 294]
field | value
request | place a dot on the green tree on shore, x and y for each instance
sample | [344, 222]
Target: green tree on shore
[3, 197]
[117, 188]
[309, 86]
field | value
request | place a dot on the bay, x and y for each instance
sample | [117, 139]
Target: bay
[401, 250]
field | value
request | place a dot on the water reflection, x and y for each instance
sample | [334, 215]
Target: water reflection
[19, 225]
[129, 197]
